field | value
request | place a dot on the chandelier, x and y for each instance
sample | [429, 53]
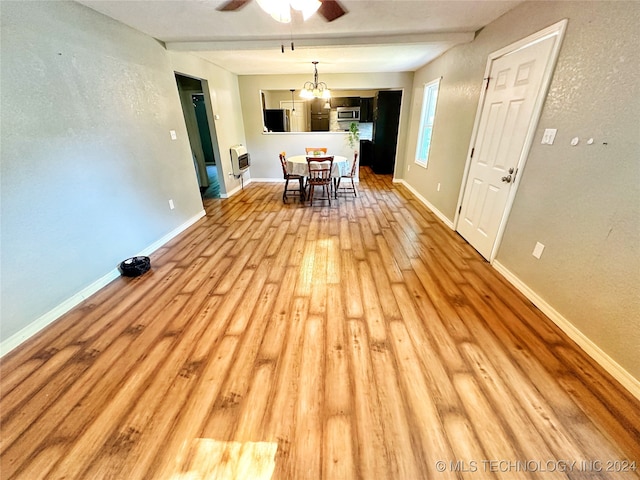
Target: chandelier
[280, 10]
[315, 89]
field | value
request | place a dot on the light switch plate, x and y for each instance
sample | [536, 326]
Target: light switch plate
[537, 251]
[549, 136]
[173, 134]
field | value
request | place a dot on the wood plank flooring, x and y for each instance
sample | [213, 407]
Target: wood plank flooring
[364, 340]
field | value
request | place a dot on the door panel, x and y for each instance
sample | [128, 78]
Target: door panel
[510, 147]
[472, 214]
[487, 217]
[298, 115]
[505, 119]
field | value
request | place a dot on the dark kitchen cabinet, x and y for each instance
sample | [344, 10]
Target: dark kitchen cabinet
[317, 106]
[366, 110]
[319, 123]
[386, 120]
[366, 152]
[319, 115]
[345, 102]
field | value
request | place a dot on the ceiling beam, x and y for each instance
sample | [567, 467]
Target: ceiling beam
[408, 39]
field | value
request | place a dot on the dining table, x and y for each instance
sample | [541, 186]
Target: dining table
[297, 165]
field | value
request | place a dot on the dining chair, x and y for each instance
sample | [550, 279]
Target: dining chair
[350, 176]
[288, 192]
[319, 176]
[313, 150]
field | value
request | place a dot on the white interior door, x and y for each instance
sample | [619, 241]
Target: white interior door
[297, 115]
[518, 79]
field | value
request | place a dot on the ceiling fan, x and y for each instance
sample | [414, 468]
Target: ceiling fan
[329, 9]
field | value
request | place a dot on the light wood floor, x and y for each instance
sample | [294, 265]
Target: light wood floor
[361, 341]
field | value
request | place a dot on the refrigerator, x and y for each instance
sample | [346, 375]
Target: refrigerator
[386, 120]
[276, 120]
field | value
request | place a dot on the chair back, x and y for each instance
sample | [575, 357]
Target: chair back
[283, 163]
[309, 150]
[320, 169]
[355, 162]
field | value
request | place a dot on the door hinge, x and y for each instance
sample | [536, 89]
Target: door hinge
[460, 210]
[472, 150]
[488, 79]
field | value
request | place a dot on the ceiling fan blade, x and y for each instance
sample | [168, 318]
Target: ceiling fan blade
[232, 5]
[331, 10]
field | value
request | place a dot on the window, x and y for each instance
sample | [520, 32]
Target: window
[426, 122]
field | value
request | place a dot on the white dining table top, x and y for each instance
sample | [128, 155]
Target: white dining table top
[303, 158]
[297, 165]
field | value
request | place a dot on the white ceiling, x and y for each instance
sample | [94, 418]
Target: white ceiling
[374, 36]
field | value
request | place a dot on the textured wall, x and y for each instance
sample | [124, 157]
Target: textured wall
[582, 202]
[87, 165]
[461, 69]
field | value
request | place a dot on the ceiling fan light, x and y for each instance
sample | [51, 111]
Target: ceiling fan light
[282, 17]
[268, 5]
[278, 9]
[307, 7]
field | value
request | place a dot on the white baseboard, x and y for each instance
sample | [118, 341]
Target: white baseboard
[605, 361]
[428, 204]
[237, 189]
[34, 327]
[268, 180]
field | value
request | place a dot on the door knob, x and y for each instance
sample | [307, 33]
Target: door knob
[508, 178]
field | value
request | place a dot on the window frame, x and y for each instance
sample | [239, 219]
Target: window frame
[427, 99]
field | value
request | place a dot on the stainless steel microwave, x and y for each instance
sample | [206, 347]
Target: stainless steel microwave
[348, 114]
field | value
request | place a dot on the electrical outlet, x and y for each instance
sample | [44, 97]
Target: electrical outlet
[171, 205]
[549, 136]
[408, 168]
[538, 249]
[173, 134]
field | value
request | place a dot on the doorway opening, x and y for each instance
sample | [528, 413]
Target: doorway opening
[196, 108]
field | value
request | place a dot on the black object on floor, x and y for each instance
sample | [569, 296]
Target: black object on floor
[135, 266]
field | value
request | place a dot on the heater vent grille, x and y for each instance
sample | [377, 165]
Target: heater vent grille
[240, 159]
